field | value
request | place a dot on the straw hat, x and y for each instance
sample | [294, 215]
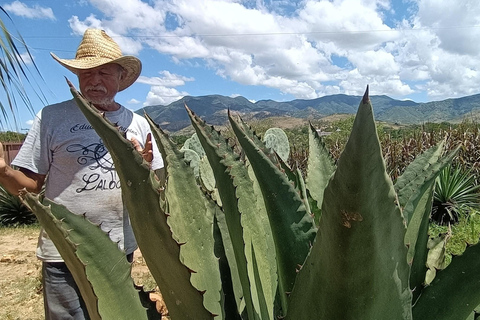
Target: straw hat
[97, 49]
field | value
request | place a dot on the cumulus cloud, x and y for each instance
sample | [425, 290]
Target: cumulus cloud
[133, 101]
[162, 90]
[159, 95]
[35, 12]
[293, 46]
[167, 80]
[128, 45]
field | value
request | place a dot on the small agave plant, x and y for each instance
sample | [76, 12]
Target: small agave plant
[248, 246]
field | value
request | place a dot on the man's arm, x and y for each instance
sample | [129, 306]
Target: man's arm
[15, 180]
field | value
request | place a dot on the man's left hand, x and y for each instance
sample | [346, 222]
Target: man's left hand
[146, 152]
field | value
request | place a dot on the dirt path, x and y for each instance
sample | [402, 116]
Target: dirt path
[20, 282]
[20, 275]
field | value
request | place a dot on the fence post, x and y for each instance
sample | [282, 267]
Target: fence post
[10, 150]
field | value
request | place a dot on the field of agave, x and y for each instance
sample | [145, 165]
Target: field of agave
[399, 146]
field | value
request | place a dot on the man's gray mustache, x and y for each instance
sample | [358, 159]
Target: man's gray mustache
[96, 88]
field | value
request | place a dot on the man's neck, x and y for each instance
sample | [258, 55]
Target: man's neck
[107, 107]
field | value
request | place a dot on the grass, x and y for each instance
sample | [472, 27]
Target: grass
[22, 229]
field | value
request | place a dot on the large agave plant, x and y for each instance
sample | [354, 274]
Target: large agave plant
[260, 255]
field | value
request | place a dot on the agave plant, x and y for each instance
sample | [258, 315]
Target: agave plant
[260, 254]
[455, 192]
[13, 212]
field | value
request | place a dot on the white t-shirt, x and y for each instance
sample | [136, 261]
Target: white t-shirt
[81, 173]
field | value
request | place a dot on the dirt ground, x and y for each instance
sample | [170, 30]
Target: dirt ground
[20, 275]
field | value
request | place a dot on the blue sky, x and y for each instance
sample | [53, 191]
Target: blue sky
[423, 50]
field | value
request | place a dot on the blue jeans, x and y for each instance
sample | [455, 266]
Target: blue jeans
[61, 296]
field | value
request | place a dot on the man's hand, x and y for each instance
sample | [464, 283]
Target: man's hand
[146, 152]
[15, 181]
[3, 163]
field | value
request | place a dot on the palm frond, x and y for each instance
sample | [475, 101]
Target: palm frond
[15, 73]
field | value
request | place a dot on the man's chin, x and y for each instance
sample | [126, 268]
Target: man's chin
[99, 100]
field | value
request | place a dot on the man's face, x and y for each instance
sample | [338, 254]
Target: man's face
[100, 85]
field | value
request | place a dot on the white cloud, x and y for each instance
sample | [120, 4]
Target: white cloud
[159, 95]
[128, 45]
[455, 24]
[168, 80]
[162, 91]
[293, 46]
[26, 58]
[36, 12]
[133, 101]
[374, 63]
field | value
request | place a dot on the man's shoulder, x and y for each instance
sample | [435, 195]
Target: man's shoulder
[139, 119]
[67, 104]
[64, 110]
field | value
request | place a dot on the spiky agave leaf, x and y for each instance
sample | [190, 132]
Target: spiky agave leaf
[245, 217]
[357, 267]
[292, 226]
[320, 168]
[191, 220]
[98, 266]
[140, 192]
[415, 192]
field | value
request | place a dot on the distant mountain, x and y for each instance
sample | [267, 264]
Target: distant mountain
[213, 109]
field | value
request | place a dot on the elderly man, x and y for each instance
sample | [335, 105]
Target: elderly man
[63, 152]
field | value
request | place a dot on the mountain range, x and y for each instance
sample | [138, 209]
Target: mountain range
[213, 109]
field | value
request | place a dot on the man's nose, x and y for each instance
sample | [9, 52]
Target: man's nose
[96, 78]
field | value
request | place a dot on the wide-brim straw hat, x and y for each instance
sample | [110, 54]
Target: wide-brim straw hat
[97, 49]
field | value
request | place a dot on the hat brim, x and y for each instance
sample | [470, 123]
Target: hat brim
[131, 64]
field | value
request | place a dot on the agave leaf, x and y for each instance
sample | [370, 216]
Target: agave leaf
[415, 192]
[416, 237]
[99, 268]
[357, 267]
[292, 226]
[191, 220]
[454, 293]
[247, 223]
[422, 168]
[320, 167]
[140, 191]
[231, 285]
